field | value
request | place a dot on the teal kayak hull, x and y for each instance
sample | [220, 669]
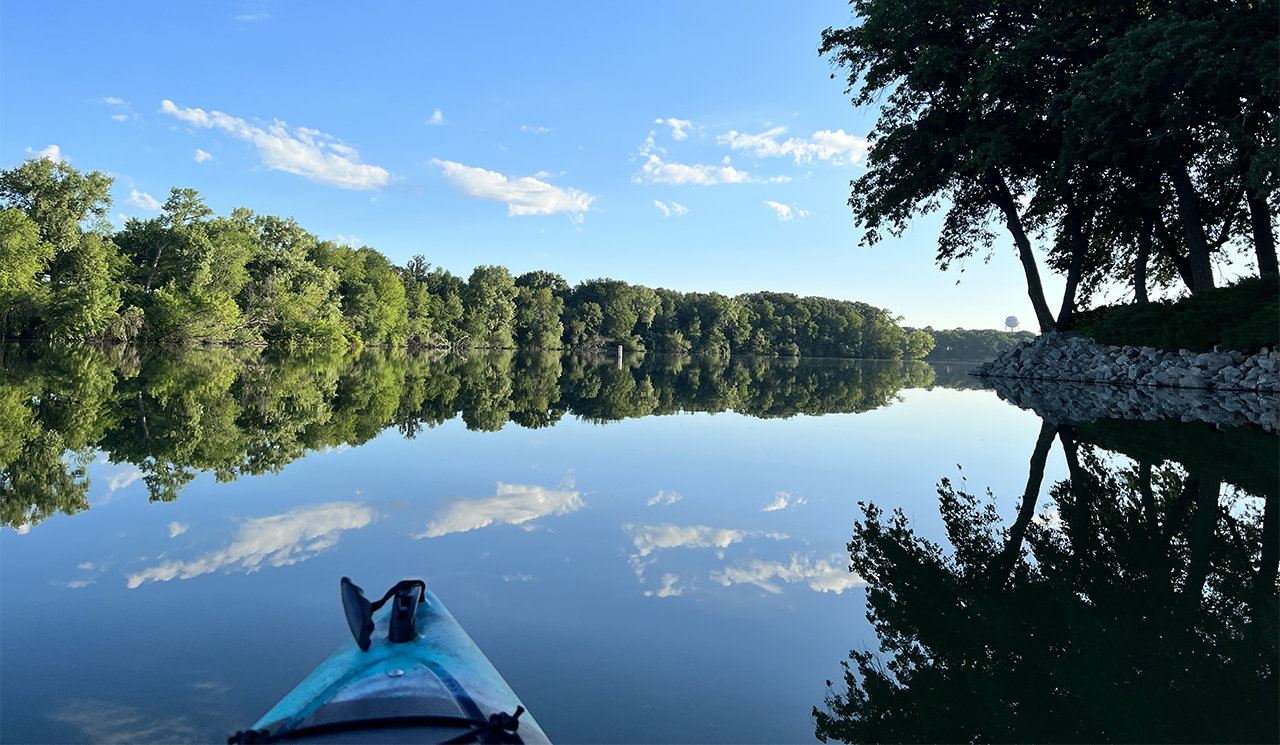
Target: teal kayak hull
[437, 687]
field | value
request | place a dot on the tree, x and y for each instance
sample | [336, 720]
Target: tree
[489, 307]
[918, 345]
[24, 259]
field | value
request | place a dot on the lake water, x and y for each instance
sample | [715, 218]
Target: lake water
[649, 551]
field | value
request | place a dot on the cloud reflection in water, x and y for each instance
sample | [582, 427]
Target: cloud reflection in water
[279, 540]
[514, 504]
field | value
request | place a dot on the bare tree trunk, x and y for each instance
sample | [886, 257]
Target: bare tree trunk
[1189, 209]
[1143, 258]
[1079, 243]
[1200, 536]
[1002, 566]
[999, 194]
[155, 262]
[1264, 241]
[1168, 247]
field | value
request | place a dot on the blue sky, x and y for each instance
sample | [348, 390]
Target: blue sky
[691, 146]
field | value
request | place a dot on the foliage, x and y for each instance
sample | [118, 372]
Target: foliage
[1141, 608]
[973, 345]
[188, 277]
[1243, 317]
[232, 411]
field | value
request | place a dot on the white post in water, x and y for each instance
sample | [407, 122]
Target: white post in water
[619, 356]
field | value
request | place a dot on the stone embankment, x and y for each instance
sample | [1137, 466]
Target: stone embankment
[1079, 359]
[1078, 403]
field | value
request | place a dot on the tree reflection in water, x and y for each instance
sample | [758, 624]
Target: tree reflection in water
[234, 412]
[1141, 606]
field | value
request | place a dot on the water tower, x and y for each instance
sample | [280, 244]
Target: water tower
[1011, 323]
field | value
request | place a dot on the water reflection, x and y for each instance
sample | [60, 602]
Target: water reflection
[1140, 604]
[514, 504]
[165, 417]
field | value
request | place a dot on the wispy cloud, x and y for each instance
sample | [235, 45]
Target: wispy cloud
[278, 540]
[835, 147]
[535, 130]
[650, 538]
[523, 196]
[664, 497]
[348, 240]
[52, 152]
[128, 473]
[202, 156]
[176, 529]
[780, 502]
[143, 200]
[785, 212]
[437, 119]
[514, 504]
[115, 101]
[821, 575]
[675, 208]
[668, 589]
[250, 17]
[311, 153]
[680, 128]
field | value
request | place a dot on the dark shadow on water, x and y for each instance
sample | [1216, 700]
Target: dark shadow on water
[1138, 605]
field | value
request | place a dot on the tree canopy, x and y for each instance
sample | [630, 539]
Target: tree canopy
[1103, 130]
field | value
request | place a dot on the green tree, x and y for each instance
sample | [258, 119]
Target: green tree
[918, 345]
[489, 307]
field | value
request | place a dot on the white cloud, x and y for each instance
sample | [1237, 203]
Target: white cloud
[77, 584]
[821, 576]
[176, 529]
[785, 212]
[514, 504]
[664, 497]
[655, 171]
[115, 101]
[675, 208]
[127, 474]
[348, 240]
[679, 127]
[87, 565]
[278, 540]
[52, 152]
[535, 130]
[143, 200]
[523, 196]
[306, 152]
[519, 577]
[437, 118]
[120, 117]
[781, 500]
[650, 538]
[835, 147]
[202, 156]
[668, 589]
[253, 17]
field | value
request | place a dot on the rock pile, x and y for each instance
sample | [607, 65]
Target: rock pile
[1059, 402]
[1074, 358]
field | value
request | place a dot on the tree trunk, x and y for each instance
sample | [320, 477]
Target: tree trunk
[1189, 209]
[998, 192]
[1143, 258]
[1002, 565]
[1200, 536]
[1079, 243]
[151, 274]
[1264, 241]
[1169, 248]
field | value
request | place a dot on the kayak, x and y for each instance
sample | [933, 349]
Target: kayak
[410, 674]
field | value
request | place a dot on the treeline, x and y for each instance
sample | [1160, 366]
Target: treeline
[242, 411]
[970, 345]
[189, 276]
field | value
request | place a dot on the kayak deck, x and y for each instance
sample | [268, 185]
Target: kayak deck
[439, 687]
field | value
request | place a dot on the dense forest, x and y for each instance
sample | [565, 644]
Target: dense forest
[970, 345]
[242, 411]
[189, 276]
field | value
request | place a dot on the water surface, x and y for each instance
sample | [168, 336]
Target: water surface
[651, 552]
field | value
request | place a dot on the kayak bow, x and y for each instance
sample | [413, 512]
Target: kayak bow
[410, 674]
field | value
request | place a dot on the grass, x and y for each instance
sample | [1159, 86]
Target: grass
[1243, 317]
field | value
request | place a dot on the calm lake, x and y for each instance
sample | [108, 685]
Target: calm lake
[651, 550]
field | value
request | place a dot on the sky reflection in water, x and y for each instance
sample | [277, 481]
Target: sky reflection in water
[677, 578]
